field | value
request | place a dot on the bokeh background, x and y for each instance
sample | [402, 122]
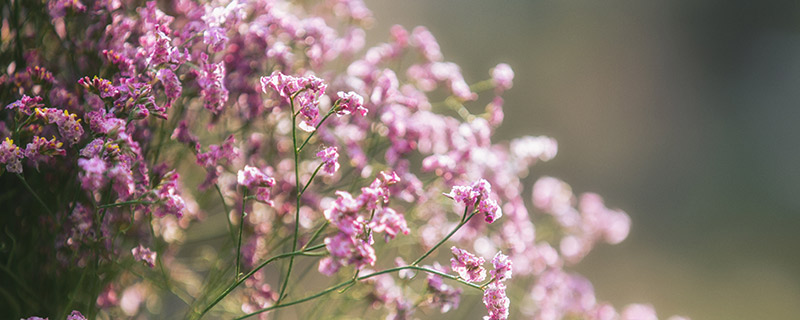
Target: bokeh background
[683, 113]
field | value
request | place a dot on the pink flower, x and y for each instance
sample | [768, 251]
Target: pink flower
[26, 105]
[168, 197]
[10, 155]
[389, 221]
[468, 266]
[349, 103]
[330, 159]
[93, 175]
[503, 77]
[496, 301]
[638, 312]
[444, 296]
[172, 85]
[76, 315]
[304, 92]
[502, 267]
[490, 209]
[254, 178]
[211, 80]
[145, 255]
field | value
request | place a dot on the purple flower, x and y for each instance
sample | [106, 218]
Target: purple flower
[350, 102]
[468, 266]
[26, 105]
[496, 301]
[41, 149]
[183, 135]
[145, 255]
[10, 155]
[330, 160]
[99, 86]
[68, 123]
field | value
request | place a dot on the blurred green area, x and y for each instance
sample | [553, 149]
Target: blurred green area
[682, 113]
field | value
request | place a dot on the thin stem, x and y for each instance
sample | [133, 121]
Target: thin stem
[461, 224]
[249, 274]
[297, 199]
[316, 234]
[35, 195]
[330, 112]
[227, 211]
[313, 175]
[124, 203]
[241, 226]
[355, 280]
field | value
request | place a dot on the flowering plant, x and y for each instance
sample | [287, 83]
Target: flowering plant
[194, 168]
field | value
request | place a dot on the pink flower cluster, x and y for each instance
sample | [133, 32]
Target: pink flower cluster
[352, 245]
[478, 195]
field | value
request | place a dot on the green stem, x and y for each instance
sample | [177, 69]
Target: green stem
[461, 224]
[241, 226]
[35, 195]
[354, 281]
[316, 234]
[249, 274]
[297, 198]
[124, 203]
[227, 211]
[313, 175]
[330, 112]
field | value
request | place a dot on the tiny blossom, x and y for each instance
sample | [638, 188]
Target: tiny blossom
[68, 123]
[183, 135]
[172, 85]
[76, 315]
[350, 102]
[496, 301]
[92, 176]
[168, 197]
[40, 73]
[211, 80]
[216, 156]
[40, 149]
[490, 209]
[502, 267]
[26, 104]
[638, 312]
[93, 149]
[330, 160]
[304, 92]
[389, 221]
[10, 155]
[99, 86]
[468, 266]
[442, 295]
[145, 255]
[503, 77]
[346, 250]
[254, 178]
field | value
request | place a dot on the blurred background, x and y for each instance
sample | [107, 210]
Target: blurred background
[683, 113]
